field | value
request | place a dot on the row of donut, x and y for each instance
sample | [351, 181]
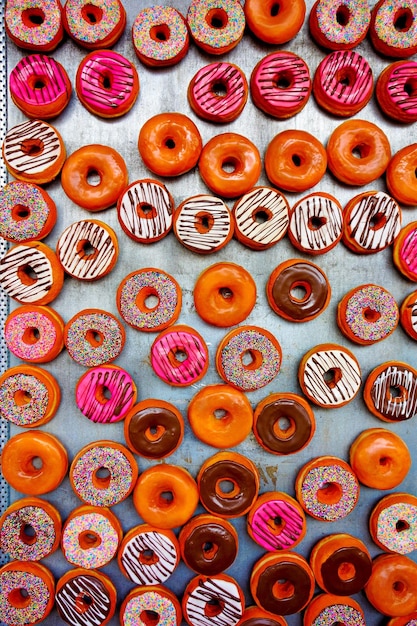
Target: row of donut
[107, 84]
[161, 35]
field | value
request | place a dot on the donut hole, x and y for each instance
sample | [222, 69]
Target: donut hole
[410, 87]
[370, 315]
[93, 177]
[91, 14]
[170, 143]
[342, 15]
[94, 337]
[399, 587]
[32, 147]
[332, 377]
[276, 525]
[261, 215]
[147, 300]
[160, 32]
[300, 292]
[297, 160]
[397, 393]
[283, 589]
[103, 394]
[284, 427]
[106, 81]
[230, 165]
[361, 151]
[21, 397]
[31, 335]
[33, 17]
[19, 598]
[220, 414]
[346, 571]
[155, 432]
[226, 293]
[149, 617]
[275, 9]
[20, 212]
[251, 359]
[227, 488]
[37, 82]
[329, 493]
[177, 356]
[101, 478]
[377, 221]
[402, 525]
[283, 80]
[148, 557]
[85, 250]
[166, 498]
[219, 89]
[88, 540]
[403, 19]
[385, 463]
[146, 211]
[213, 607]
[209, 550]
[217, 18]
[83, 602]
[346, 76]
[316, 222]
[27, 534]
[27, 275]
[203, 222]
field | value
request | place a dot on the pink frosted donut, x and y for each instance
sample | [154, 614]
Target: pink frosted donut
[393, 28]
[34, 333]
[343, 83]
[216, 26]
[316, 223]
[276, 521]
[218, 92]
[94, 24]
[28, 212]
[179, 356]
[339, 24]
[396, 91]
[280, 84]
[35, 24]
[160, 36]
[105, 394]
[107, 83]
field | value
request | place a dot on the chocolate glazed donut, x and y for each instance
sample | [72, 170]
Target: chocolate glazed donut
[153, 429]
[208, 545]
[355, 557]
[295, 576]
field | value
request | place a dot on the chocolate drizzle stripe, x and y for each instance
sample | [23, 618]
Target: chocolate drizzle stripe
[20, 257]
[89, 586]
[320, 363]
[187, 232]
[155, 196]
[336, 63]
[394, 407]
[220, 73]
[281, 64]
[78, 264]
[311, 209]
[363, 214]
[208, 590]
[33, 131]
[262, 200]
[144, 573]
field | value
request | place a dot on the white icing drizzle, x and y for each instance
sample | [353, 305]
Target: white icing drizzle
[223, 591]
[149, 573]
[316, 222]
[262, 200]
[187, 219]
[156, 198]
[17, 143]
[318, 388]
[18, 258]
[395, 407]
[80, 586]
[74, 260]
[367, 211]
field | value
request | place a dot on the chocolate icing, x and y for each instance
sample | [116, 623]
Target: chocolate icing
[291, 573]
[210, 533]
[271, 413]
[219, 504]
[354, 556]
[300, 274]
[151, 418]
[395, 408]
[90, 589]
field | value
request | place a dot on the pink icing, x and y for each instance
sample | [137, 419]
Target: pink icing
[401, 77]
[171, 370]
[98, 383]
[14, 333]
[292, 525]
[345, 77]
[208, 102]
[408, 252]
[41, 68]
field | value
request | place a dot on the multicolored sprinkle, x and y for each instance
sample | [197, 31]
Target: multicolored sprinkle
[36, 392]
[316, 479]
[383, 317]
[39, 35]
[89, 354]
[403, 541]
[11, 534]
[38, 594]
[156, 49]
[92, 32]
[335, 32]
[29, 196]
[339, 614]
[153, 601]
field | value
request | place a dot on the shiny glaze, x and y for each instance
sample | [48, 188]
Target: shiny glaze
[220, 504]
[168, 367]
[50, 73]
[222, 590]
[207, 103]
[396, 376]
[40, 260]
[393, 91]
[263, 201]
[261, 522]
[88, 586]
[331, 566]
[294, 409]
[142, 541]
[215, 532]
[121, 388]
[144, 421]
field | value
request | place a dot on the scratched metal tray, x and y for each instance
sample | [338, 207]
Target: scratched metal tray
[165, 90]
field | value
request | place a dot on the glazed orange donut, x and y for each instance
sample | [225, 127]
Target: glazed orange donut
[282, 583]
[83, 595]
[30, 529]
[34, 333]
[29, 396]
[400, 175]
[379, 458]
[408, 315]
[335, 609]
[169, 144]
[392, 587]
[224, 294]
[254, 616]
[389, 391]
[220, 416]
[406, 620]
[34, 462]
[216, 27]
[214, 599]
[358, 152]
[94, 176]
[274, 22]
[295, 160]
[230, 164]
[155, 600]
[341, 564]
[165, 496]
[35, 24]
[392, 523]
[27, 592]
[276, 521]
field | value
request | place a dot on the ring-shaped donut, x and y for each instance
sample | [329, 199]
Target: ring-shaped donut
[395, 92]
[94, 25]
[316, 223]
[34, 333]
[393, 28]
[340, 25]
[326, 606]
[400, 175]
[160, 36]
[276, 521]
[154, 428]
[27, 592]
[35, 25]
[275, 23]
[29, 213]
[216, 27]
[220, 590]
[392, 587]
[86, 592]
[390, 391]
[94, 337]
[408, 315]
[392, 523]
[155, 600]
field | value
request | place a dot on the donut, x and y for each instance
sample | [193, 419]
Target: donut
[371, 222]
[28, 212]
[91, 536]
[215, 599]
[261, 218]
[393, 28]
[145, 210]
[34, 152]
[280, 84]
[295, 160]
[149, 299]
[94, 24]
[160, 36]
[341, 564]
[107, 83]
[400, 175]
[379, 458]
[358, 152]
[329, 375]
[169, 144]
[316, 223]
[403, 251]
[203, 224]
[29, 396]
[165, 496]
[225, 469]
[367, 314]
[298, 290]
[94, 176]
[220, 416]
[282, 583]
[392, 523]
[34, 24]
[273, 22]
[218, 92]
[332, 608]
[30, 529]
[254, 616]
[40, 86]
[230, 164]
[85, 596]
[283, 423]
[224, 294]
[94, 337]
[209, 544]
[34, 462]
[34, 333]
[216, 26]
[27, 592]
[391, 588]
[406, 620]
[276, 521]
[148, 555]
[248, 358]
[390, 391]
[327, 488]
[155, 600]
[179, 356]
[343, 83]
[340, 25]
[103, 473]
[153, 429]
[408, 315]
[105, 394]
[395, 91]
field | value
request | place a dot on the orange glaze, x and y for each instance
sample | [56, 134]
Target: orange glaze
[392, 587]
[403, 621]
[169, 144]
[34, 333]
[347, 610]
[34, 462]
[275, 22]
[295, 160]
[379, 458]
[400, 175]
[358, 152]
[27, 592]
[254, 616]
[392, 523]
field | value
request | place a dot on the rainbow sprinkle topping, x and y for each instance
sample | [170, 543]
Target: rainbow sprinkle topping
[159, 49]
[339, 614]
[149, 601]
[357, 26]
[30, 412]
[323, 475]
[38, 594]
[380, 304]
[403, 541]
[88, 32]
[38, 35]
[210, 36]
